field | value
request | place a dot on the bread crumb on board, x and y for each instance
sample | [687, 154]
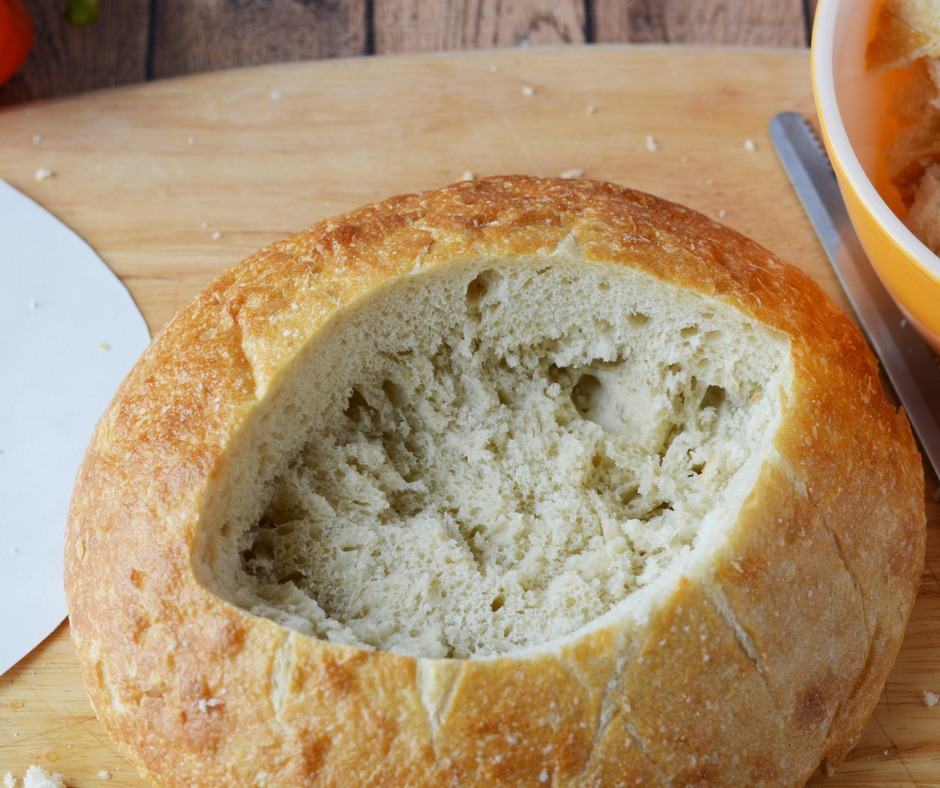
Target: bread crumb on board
[527, 90]
[651, 144]
[931, 699]
[749, 145]
[574, 172]
[468, 175]
[216, 235]
[591, 109]
[43, 173]
[37, 138]
[104, 774]
[35, 777]
[274, 95]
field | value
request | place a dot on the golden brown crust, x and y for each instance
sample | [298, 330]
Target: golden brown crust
[734, 679]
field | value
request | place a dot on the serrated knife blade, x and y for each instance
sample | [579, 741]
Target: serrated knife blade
[907, 361]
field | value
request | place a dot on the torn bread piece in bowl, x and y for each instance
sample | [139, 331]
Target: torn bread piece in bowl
[520, 481]
[907, 36]
[875, 99]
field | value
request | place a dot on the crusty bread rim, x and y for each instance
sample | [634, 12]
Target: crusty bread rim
[820, 569]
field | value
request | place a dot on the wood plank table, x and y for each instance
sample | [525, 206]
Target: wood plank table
[174, 181]
[138, 40]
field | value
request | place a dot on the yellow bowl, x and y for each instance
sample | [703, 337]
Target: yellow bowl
[853, 107]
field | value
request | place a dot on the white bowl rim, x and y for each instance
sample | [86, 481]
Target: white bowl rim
[824, 82]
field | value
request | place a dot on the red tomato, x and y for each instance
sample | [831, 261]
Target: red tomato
[16, 37]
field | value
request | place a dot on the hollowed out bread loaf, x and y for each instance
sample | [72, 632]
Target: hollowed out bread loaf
[517, 482]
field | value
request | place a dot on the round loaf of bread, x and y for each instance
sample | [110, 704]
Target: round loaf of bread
[516, 482]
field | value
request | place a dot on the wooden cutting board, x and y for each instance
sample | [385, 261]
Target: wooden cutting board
[172, 182]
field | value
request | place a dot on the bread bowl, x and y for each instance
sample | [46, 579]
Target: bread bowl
[377, 508]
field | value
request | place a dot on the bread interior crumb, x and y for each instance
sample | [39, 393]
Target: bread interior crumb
[488, 456]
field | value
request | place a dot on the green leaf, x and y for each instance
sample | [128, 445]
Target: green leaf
[82, 12]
